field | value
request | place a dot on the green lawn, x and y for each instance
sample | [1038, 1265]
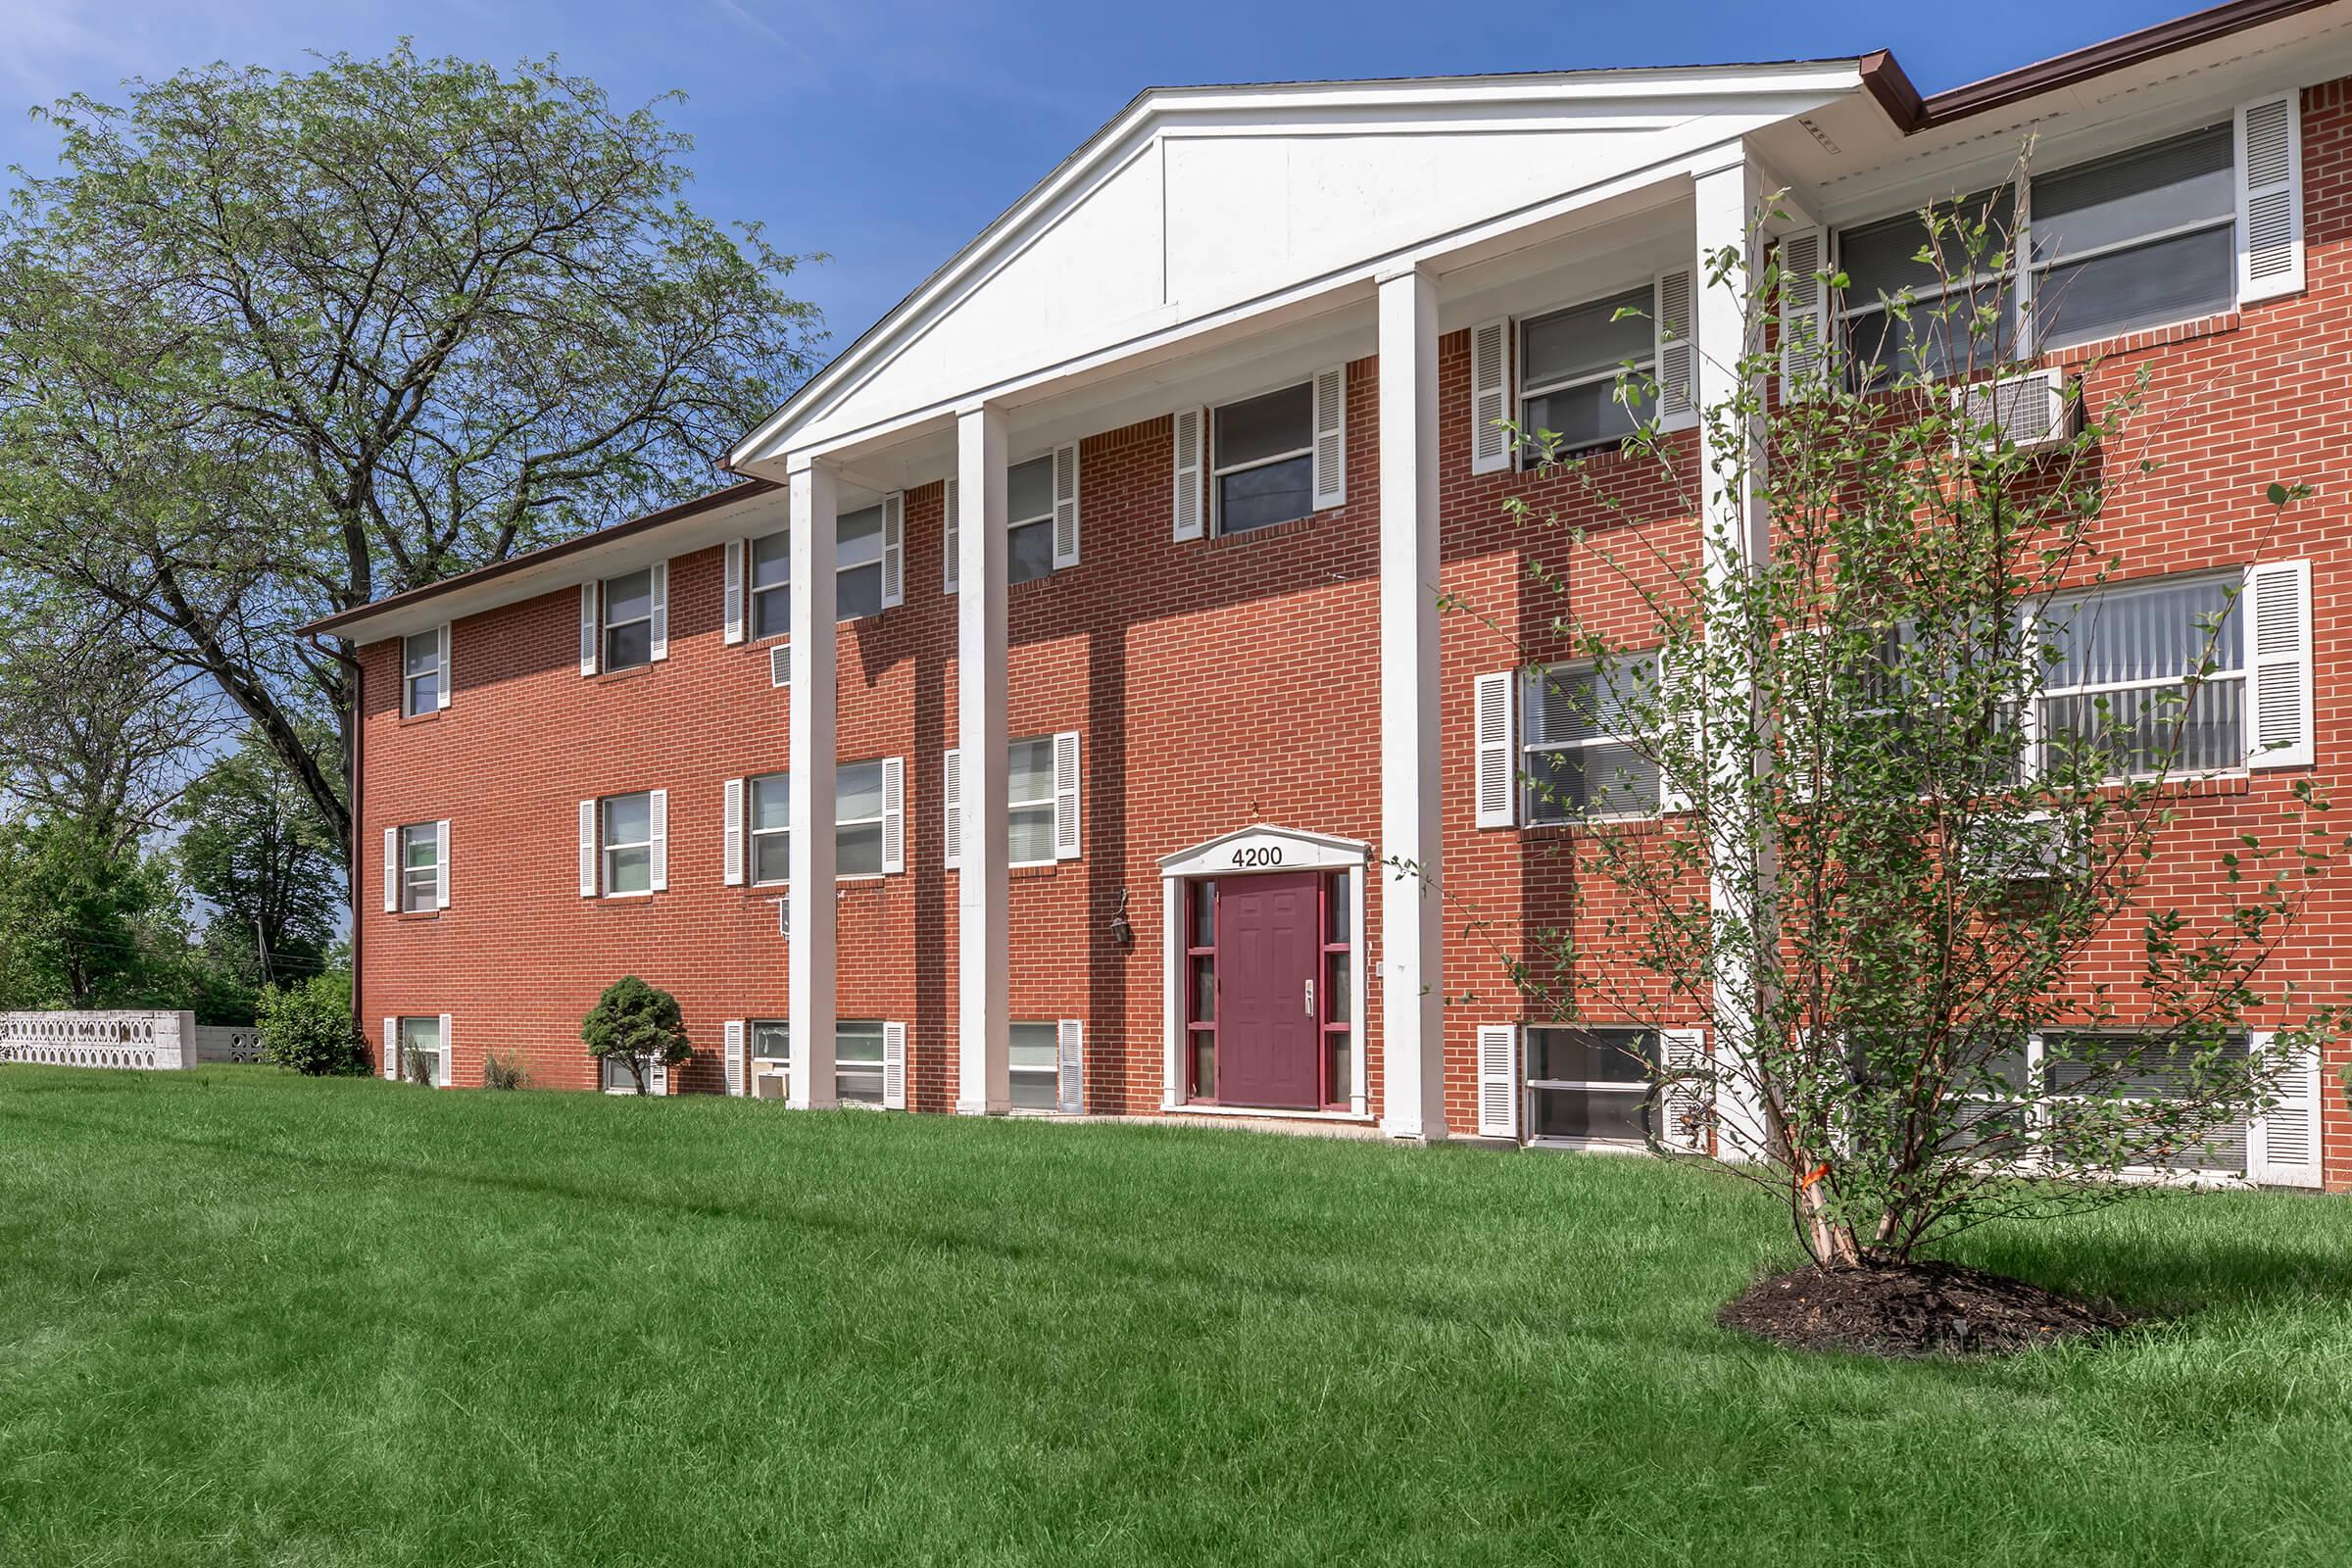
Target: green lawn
[257, 1319]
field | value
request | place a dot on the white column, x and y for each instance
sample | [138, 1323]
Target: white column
[1412, 975]
[812, 946]
[983, 945]
[1737, 538]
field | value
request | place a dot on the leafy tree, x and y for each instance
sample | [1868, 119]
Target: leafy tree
[1886, 862]
[254, 849]
[639, 1025]
[307, 1027]
[84, 923]
[273, 344]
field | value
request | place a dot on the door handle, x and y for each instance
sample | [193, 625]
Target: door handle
[1310, 996]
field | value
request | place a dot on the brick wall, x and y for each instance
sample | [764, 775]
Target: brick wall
[1215, 684]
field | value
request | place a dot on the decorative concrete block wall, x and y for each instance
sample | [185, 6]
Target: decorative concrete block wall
[147, 1042]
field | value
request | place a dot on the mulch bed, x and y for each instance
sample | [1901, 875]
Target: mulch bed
[1913, 1310]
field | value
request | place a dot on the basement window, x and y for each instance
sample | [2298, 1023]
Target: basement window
[1591, 1086]
[1035, 1050]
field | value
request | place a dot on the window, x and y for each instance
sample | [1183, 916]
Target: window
[1029, 801]
[420, 1051]
[1200, 990]
[771, 1042]
[1575, 762]
[1338, 989]
[1036, 1053]
[425, 672]
[613, 1076]
[1571, 365]
[771, 827]
[1591, 1085]
[1941, 333]
[1262, 459]
[858, 1070]
[419, 867]
[629, 843]
[629, 619]
[771, 585]
[859, 803]
[1029, 519]
[2136, 240]
[2117, 1071]
[2122, 682]
[858, 563]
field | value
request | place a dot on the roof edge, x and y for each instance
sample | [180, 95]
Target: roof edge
[648, 523]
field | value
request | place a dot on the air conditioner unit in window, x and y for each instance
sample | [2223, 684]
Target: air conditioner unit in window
[2033, 847]
[767, 1086]
[779, 665]
[2032, 410]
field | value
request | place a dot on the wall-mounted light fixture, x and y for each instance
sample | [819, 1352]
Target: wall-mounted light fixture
[1122, 930]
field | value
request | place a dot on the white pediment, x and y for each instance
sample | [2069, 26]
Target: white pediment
[1266, 847]
[1198, 201]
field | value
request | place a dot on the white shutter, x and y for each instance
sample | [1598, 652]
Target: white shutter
[951, 794]
[734, 591]
[1066, 796]
[1065, 505]
[661, 622]
[1187, 510]
[1330, 438]
[731, 834]
[588, 627]
[779, 665]
[894, 549]
[1489, 396]
[659, 853]
[588, 847]
[1672, 323]
[389, 1056]
[1497, 1080]
[1683, 1093]
[391, 871]
[952, 510]
[449, 1058]
[448, 672]
[1498, 773]
[734, 1056]
[1675, 710]
[441, 864]
[2283, 1144]
[1804, 311]
[894, 816]
[2279, 685]
[894, 1066]
[784, 918]
[1072, 1097]
[2269, 198]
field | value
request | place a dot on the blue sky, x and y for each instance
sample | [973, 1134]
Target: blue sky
[888, 132]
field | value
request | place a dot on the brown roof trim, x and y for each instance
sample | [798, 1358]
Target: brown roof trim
[329, 624]
[1910, 112]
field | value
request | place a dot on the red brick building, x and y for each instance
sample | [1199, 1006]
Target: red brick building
[1092, 593]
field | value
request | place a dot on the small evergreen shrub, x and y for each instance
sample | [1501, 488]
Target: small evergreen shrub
[639, 1024]
[308, 1028]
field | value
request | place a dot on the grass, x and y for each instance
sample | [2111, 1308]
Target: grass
[256, 1319]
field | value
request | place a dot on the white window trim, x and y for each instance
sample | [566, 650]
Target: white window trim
[1226, 857]
[605, 845]
[751, 1042]
[656, 588]
[437, 892]
[1208, 455]
[443, 1068]
[1523, 784]
[888, 766]
[1050, 801]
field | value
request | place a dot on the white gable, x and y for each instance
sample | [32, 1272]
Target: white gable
[1198, 201]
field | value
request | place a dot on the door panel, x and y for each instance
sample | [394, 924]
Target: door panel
[1269, 947]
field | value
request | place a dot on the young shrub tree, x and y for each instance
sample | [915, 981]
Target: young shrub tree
[1854, 818]
[307, 1027]
[638, 1024]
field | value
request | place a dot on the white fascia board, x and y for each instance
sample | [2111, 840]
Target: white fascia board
[1758, 93]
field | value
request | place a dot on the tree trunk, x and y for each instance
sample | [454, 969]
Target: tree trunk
[1833, 1242]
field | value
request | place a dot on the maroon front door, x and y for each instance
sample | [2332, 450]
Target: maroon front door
[1269, 1034]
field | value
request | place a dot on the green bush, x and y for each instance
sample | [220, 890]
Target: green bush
[308, 1028]
[639, 1024]
[505, 1070]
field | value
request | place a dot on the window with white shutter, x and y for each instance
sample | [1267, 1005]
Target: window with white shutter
[894, 549]
[1497, 750]
[1066, 839]
[1804, 311]
[1189, 501]
[1330, 438]
[2276, 615]
[448, 1064]
[952, 516]
[1584, 374]
[1499, 1080]
[2269, 198]
[1674, 329]
[1683, 1099]
[731, 856]
[441, 864]
[590, 623]
[865, 553]
[659, 856]
[1065, 507]
[951, 794]
[388, 1054]
[1592, 1085]
[659, 630]
[894, 816]
[425, 672]
[735, 1063]
[588, 846]
[1489, 396]
[733, 612]
[391, 869]
[2282, 1145]
[1263, 468]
